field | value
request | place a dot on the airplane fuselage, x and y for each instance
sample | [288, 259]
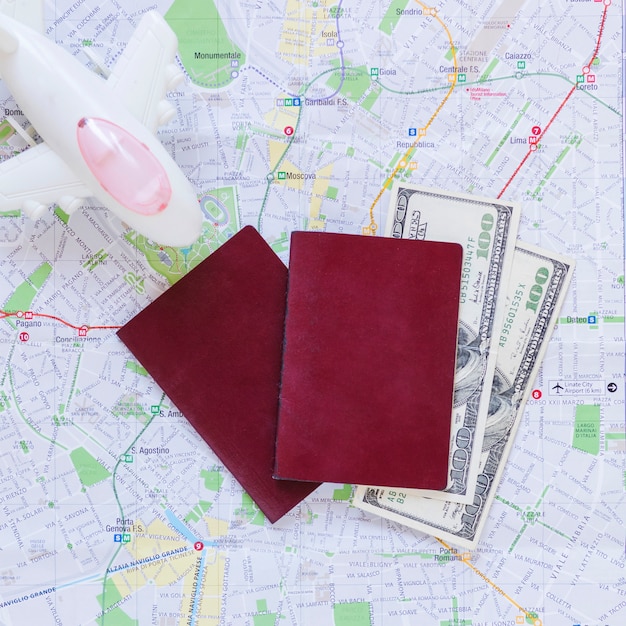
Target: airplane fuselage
[113, 154]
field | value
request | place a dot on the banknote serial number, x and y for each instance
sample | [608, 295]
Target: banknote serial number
[511, 313]
[396, 496]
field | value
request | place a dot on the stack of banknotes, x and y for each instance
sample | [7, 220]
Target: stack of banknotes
[511, 294]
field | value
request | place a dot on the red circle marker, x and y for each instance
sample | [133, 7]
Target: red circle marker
[24, 336]
[198, 546]
[536, 130]
[288, 131]
[536, 394]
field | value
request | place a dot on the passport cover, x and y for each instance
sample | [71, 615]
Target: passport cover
[213, 343]
[369, 360]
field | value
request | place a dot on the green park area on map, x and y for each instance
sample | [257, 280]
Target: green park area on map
[87, 467]
[587, 429]
[204, 45]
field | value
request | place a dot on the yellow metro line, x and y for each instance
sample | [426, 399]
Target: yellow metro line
[465, 558]
[432, 12]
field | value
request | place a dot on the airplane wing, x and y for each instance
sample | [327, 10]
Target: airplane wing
[37, 178]
[146, 70]
[29, 12]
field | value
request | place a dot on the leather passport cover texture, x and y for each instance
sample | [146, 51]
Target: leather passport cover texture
[213, 343]
[369, 360]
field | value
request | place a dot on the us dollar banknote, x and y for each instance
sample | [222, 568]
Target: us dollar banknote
[487, 230]
[538, 284]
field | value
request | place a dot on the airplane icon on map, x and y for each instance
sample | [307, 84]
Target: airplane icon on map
[98, 135]
[558, 388]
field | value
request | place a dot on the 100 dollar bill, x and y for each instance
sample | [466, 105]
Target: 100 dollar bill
[539, 281]
[487, 230]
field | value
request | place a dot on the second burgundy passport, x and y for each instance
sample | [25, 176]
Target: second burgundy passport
[369, 360]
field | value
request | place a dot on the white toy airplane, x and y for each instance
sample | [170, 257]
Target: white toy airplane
[99, 135]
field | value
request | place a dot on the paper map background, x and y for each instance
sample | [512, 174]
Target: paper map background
[295, 115]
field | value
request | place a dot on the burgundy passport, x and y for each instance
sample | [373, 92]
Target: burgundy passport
[369, 360]
[213, 343]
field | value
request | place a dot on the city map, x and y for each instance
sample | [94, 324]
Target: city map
[301, 115]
